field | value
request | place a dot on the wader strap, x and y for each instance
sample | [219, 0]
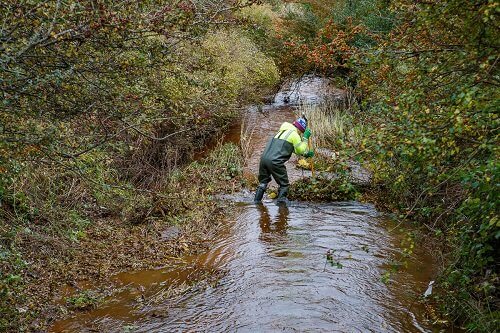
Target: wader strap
[286, 136]
[279, 136]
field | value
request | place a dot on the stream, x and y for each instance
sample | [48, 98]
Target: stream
[305, 267]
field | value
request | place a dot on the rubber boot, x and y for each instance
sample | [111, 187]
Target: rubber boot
[259, 193]
[282, 194]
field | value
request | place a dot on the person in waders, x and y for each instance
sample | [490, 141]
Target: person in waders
[279, 149]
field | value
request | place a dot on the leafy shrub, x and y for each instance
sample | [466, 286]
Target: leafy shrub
[83, 301]
[243, 66]
[100, 104]
[433, 86]
[262, 16]
[323, 189]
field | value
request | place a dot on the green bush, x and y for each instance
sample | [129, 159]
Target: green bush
[243, 67]
[435, 139]
[324, 189]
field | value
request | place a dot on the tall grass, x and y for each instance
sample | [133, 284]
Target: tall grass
[246, 133]
[333, 127]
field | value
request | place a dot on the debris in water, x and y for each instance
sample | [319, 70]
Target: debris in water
[304, 164]
[428, 292]
[329, 259]
[329, 255]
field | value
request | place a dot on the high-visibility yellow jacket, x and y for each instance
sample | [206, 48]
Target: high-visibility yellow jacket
[290, 133]
[281, 147]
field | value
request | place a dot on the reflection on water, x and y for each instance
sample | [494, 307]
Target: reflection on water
[274, 277]
[269, 225]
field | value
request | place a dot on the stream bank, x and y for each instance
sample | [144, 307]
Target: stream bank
[305, 267]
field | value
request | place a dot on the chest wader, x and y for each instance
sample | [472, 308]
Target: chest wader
[272, 163]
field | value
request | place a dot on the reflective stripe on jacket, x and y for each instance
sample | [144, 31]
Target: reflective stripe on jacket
[291, 134]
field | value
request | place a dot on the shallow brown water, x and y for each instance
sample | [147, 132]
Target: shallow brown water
[274, 277]
[267, 271]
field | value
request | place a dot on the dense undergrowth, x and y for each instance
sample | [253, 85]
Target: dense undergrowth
[425, 80]
[47, 257]
[425, 76]
[324, 189]
[103, 106]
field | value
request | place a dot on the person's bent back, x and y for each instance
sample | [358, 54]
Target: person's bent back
[278, 150]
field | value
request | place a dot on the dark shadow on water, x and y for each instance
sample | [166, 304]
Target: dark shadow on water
[273, 229]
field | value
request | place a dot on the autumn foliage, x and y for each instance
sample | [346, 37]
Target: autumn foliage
[100, 101]
[332, 49]
[433, 84]
[426, 78]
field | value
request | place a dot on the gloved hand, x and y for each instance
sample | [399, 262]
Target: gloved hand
[310, 153]
[307, 134]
